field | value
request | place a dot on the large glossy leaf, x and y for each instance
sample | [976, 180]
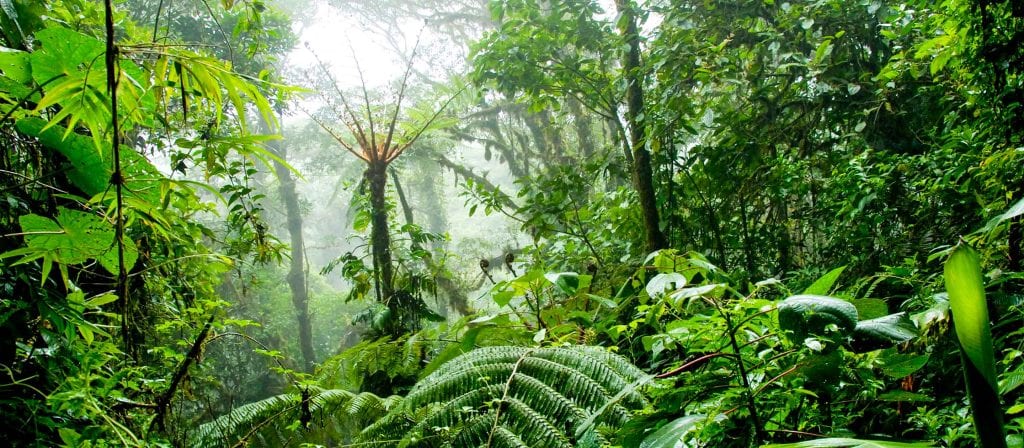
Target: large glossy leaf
[870, 308]
[884, 331]
[92, 169]
[14, 65]
[804, 315]
[661, 282]
[970, 310]
[970, 319]
[899, 365]
[851, 443]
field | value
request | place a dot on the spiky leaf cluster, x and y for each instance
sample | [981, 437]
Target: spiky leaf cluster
[516, 396]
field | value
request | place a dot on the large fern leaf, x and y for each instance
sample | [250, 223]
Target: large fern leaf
[515, 396]
[277, 421]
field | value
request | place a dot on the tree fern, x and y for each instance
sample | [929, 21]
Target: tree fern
[515, 396]
[279, 421]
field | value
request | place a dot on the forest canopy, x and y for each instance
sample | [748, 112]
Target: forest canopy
[512, 223]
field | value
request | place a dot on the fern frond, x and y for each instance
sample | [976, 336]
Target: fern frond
[273, 421]
[516, 397]
[229, 428]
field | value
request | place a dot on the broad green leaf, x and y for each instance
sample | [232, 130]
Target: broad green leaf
[109, 259]
[69, 436]
[661, 282]
[91, 169]
[100, 300]
[970, 310]
[686, 293]
[671, 435]
[14, 65]
[75, 238]
[567, 282]
[804, 315]
[1011, 381]
[824, 50]
[502, 298]
[970, 320]
[361, 221]
[65, 52]
[851, 443]
[824, 284]
[91, 172]
[884, 331]
[900, 365]
[870, 308]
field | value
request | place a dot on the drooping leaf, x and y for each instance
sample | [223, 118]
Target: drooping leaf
[671, 435]
[884, 331]
[1014, 211]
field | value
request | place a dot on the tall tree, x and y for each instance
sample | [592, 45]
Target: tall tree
[632, 72]
[379, 140]
[296, 266]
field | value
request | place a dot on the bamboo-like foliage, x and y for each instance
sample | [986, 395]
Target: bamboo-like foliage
[516, 396]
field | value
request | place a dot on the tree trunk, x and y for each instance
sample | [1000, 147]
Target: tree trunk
[443, 279]
[642, 173]
[380, 239]
[296, 270]
[584, 129]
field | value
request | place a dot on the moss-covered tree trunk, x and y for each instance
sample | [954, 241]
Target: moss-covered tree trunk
[296, 269]
[642, 172]
[380, 239]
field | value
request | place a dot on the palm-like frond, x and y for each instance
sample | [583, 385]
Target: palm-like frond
[515, 396]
